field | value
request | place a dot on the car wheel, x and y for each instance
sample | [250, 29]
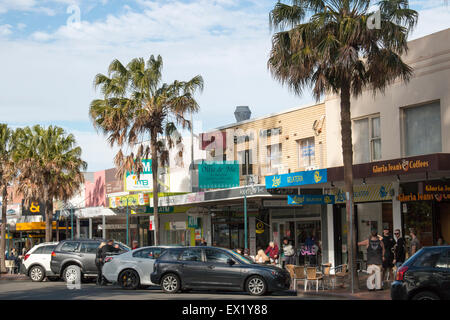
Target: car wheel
[256, 286]
[37, 274]
[129, 279]
[72, 274]
[425, 295]
[170, 283]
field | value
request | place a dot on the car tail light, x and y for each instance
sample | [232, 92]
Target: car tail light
[26, 257]
[53, 254]
[401, 273]
[108, 259]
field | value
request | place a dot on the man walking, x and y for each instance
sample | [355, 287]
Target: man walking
[375, 257]
[399, 249]
[103, 252]
[415, 243]
[388, 262]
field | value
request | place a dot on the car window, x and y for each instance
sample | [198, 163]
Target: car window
[191, 255]
[428, 259]
[69, 246]
[39, 250]
[443, 260]
[216, 256]
[89, 247]
[170, 255]
[48, 249]
[147, 253]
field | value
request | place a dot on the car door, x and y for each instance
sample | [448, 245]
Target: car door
[219, 272]
[46, 256]
[87, 252]
[145, 261]
[193, 268]
[443, 267]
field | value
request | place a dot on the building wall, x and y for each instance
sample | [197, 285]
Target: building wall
[296, 124]
[430, 58]
[95, 192]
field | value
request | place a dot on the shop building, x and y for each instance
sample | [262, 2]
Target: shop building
[401, 148]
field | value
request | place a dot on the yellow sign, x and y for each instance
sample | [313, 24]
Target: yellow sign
[259, 227]
[276, 181]
[34, 207]
[28, 226]
[317, 177]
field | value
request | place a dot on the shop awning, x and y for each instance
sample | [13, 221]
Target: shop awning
[91, 212]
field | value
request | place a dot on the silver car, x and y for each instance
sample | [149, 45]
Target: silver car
[131, 270]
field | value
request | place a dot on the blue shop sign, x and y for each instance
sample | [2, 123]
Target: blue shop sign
[296, 179]
[311, 199]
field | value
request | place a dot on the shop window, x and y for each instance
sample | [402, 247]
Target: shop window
[245, 160]
[306, 153]
[366, 139]
[273, 160]
[422, 129]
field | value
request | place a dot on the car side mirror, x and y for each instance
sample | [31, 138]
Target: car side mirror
[231, 262]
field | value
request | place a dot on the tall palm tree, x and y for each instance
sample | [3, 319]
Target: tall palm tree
[7, 174]
[137, 105]
[50, 167]
[327, 45]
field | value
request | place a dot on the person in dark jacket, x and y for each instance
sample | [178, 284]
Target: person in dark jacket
[104, 251]
[399, 249]
[388, 261]
[99, 263]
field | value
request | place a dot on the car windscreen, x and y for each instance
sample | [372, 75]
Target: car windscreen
[240, 258]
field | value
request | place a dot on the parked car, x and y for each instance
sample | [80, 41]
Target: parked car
[74, 260]
[424, 276]
[217, 269]
[36, 263]
[131, 270]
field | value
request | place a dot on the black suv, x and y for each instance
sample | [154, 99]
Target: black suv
[74, 260]
[424, 276]
[213, 268]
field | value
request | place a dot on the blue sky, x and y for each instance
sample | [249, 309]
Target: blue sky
[49, 58]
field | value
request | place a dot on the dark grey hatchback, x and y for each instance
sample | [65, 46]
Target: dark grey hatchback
[424, 276]
[213, 268]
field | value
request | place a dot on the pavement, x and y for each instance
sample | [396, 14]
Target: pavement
[18, 287]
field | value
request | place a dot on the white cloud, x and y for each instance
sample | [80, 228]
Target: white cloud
[5, 30]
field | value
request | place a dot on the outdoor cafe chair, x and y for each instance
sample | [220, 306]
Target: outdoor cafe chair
[340, 272]
[311, 275]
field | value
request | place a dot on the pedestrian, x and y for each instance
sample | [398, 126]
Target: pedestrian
[134, 245]
[388, 262]
[203, 242]
[108, 249]
[238, 251]
[261, 257]
[399, 249]
[375, 257]
[99, 263]
[288, 253]
[272, 251]
[414, 246]
[441, 242]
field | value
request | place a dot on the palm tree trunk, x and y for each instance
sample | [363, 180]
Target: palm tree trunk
[48, 216]
[347, 154]
[3, 230]
[155, 184]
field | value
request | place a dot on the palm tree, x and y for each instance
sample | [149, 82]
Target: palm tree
[327, 45]
[7, 174]
[50, 167]
[136, 105]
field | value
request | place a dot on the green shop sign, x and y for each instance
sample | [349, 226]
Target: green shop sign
[218, 174]
[192, 222]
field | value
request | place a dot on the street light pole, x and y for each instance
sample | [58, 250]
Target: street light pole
[245, 202]
[128, 244]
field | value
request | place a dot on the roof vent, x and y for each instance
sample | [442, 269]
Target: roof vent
[242, 113]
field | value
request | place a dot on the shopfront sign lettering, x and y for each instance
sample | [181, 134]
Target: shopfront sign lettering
[423, 197]
[296, 179]
[311, 199]
[403, 166]
[437, 188]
